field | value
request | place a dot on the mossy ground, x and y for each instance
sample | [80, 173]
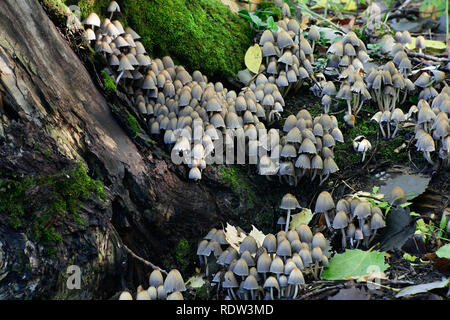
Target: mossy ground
[67, 191]
[198, 34]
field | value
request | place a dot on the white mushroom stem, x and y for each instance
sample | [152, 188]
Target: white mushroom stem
[287, 221]
[396, 129]
[232, 294]
[295, 291]
[252, 293]
[373, 236]
[119, 76]
[344, 239]
[271, 293]
[327, 219]
[364, 156]
[427, 156]
[388, 129]
[382, 130]
[324, 179]
[349, 107]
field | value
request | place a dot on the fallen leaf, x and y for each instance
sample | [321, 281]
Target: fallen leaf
[444, 251]
[399, 227]
[351, 293]
[421, 288]
[257, 235]
[443, 266]
[253, 58]
[356, 264]
[303, 217]
[195, 281]
[348, 5]
[429, 44]
[233, 236]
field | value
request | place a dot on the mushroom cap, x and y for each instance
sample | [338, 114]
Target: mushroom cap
[277, 266]
[263, 263]
[143, 295]
[319, 241]
[248, 243]
[229, 280]
[174, 282]
[362, 209]
[270, 243]
[324, 202]
[340, 220]
[296, 277]
[246, 255]
[289, 202]
[284, 248]
[271, 282]
[316, 254]
[250, 283]
[92, 19]
[125, 295]
[162, 294]
[304, 233]
[313, 33]
[156, 279]
[377, 222]
[241, 268]
[175, 296]
[305, 254]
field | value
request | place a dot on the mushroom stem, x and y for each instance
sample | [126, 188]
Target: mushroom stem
[287, 221]
[316, 270]
[395, 131]
[233, 295]
[206, 262]
[382, 130]
[120, 76]
[252, 293]
[271, 293]
[344, 239]
[364, 156]
[427, 156]
[295, 292]
[349, 107]
[327, 220]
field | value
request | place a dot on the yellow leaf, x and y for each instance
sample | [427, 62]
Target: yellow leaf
[429, 44]
[304, 217]
[349, 5]
[253, 58]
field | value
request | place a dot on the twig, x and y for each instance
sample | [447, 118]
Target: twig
[321, 290]
[148, 263]
[425, 56]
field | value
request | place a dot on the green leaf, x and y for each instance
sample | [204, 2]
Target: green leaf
[409, 257]
[255, 19]
[375, 190]
[354, 264]
[444, 251]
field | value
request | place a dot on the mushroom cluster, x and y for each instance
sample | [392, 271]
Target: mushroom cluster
[427, 81]
[272, 269]
[432, 130]
[307, 147]
[288, 56]
[170, 288]
[199, 118]
[386, 85]
[356, 217]
[348, 56]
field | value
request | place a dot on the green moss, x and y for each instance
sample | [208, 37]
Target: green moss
[182, 254]
[199, 34]
[108, 82]
[240, 184]
[67, 191]
[133, 124]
